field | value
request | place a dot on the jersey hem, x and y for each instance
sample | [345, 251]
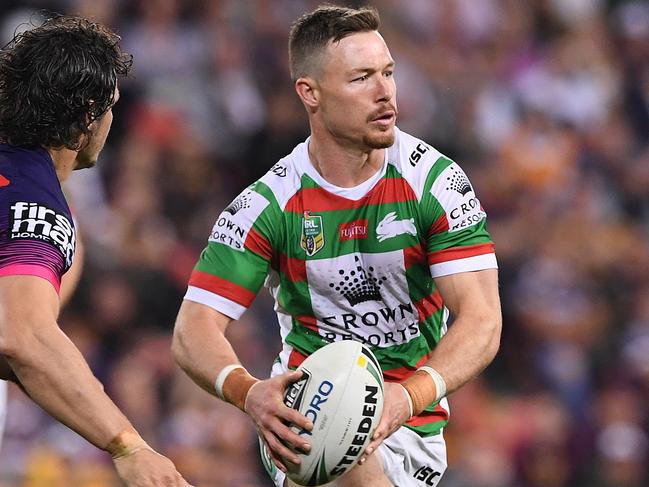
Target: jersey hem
[32, 270]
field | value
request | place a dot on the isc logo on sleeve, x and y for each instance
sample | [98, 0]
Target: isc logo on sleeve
[38, 222]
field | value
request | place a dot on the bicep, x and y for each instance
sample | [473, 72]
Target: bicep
[470, 292]
[26, 302]
[194, 316]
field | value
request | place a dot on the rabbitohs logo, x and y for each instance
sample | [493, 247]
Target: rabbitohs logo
[390, 227]
[312, 240]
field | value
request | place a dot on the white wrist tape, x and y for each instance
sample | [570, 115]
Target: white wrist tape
[410, 406]
[220, 379]
[440, 383]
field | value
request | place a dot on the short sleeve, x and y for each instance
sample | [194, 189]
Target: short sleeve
[457, 239]
[234, 264]
[35, 239]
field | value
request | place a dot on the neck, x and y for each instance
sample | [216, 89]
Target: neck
[342, 165]
[64, 162]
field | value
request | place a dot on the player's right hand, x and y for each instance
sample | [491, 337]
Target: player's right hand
[265, 405]
[147, 468]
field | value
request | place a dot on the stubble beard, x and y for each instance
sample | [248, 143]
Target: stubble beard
[380, 141]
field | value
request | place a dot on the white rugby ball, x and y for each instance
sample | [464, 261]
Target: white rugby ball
[341, 392]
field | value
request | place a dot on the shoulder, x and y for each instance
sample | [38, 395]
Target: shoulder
[416, 161]
[30, 173]
[284, 179]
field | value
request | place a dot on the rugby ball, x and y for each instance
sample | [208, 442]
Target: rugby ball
[341, 392]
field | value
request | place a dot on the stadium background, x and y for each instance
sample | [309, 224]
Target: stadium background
[546, 105]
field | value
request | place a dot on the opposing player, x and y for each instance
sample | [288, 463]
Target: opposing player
[58, 83]
[362, 233]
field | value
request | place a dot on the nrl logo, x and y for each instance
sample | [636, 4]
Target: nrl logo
[312, 239]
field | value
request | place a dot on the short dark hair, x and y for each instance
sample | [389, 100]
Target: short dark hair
[56, 79]
[311, 33]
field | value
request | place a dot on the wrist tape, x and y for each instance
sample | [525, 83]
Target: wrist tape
[126, 444]
[233, 383]
[425, 387]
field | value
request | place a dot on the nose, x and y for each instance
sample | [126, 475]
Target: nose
[384, 89]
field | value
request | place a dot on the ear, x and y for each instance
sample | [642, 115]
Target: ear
[308, 91]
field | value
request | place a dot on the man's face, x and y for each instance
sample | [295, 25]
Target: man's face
[358, 94]
[87, 157]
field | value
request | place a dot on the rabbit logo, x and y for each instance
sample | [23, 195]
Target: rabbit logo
[391, 227]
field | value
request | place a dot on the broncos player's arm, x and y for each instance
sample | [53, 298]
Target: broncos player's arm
[69, 283]
[202, 350]
[55, 375]
[48, 365]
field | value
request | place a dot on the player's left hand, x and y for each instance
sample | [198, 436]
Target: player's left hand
[396, 411]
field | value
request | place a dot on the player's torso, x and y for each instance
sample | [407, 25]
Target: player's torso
[354, 269]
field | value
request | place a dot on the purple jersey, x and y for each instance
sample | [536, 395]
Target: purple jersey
[37, 235]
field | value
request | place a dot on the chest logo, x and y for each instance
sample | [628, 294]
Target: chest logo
[391, 227]
[312, 239]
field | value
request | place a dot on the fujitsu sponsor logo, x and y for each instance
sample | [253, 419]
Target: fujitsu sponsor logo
[38, 222]
[355, 230]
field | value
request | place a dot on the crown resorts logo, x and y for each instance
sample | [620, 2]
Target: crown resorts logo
[458, 182]
[241, 203]
[359, 285]
[312, 239]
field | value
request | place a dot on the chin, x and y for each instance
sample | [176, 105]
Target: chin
[382, 140]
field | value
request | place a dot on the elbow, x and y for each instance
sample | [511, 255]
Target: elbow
[17, 344]
[177, 346]
[494, 327]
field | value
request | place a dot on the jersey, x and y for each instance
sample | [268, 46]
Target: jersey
[351, 263]
[37, 235]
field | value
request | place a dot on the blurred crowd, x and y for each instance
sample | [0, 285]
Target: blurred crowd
[545, 103]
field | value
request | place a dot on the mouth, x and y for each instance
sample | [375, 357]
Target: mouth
[384, 118]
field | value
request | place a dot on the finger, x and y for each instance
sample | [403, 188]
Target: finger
[374, 444]
[291, 437]
[290, 377]
[280, 449]
[278, 461]
[294, 417]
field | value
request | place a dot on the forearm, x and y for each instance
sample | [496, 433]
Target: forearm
[203, 352]
[461, 355]
[469, 346]
[55, 375]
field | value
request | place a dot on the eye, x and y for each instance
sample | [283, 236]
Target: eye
[361, 78]
[388, 74]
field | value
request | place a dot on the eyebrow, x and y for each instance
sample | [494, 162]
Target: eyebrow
[391, 64]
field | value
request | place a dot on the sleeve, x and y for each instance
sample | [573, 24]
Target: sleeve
[235, 263]
[457, 239]
[35, 240]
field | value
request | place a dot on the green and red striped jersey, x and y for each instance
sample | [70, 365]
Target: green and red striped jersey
[351, 263]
